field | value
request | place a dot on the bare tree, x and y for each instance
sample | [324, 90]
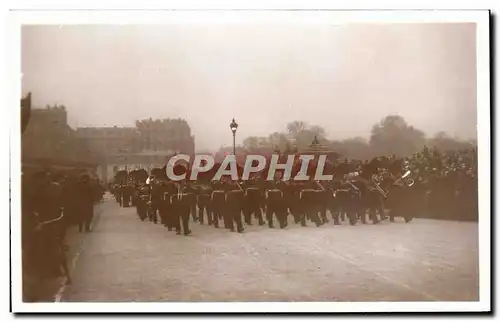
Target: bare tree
[296, 127]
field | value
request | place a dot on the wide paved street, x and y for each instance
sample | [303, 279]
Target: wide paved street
[124, 259]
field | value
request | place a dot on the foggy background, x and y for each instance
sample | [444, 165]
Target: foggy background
[344, 78]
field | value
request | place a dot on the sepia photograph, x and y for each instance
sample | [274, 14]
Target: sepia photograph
[251, 161]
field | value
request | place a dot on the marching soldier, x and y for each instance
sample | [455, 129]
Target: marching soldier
[310, 205]
[142, 201]
[292, 197]
[167, 209]
[203, 202]
[156, 198]
[234, 202]
[274, 205]
[181, 208]
[253, 203]
[218, 203]
[128, 191]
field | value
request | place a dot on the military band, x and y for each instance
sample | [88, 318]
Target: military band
[354, 196]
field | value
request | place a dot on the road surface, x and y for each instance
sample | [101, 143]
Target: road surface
[124, 259]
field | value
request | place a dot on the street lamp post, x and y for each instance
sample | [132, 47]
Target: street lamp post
[234, 127]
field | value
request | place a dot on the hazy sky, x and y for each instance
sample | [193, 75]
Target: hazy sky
[344, 78]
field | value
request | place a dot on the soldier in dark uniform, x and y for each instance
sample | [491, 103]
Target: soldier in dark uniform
[167, 207]
[142, 201]
[283, 187]
[352, 200]
[203, 202]
[253, 202]
[371, 197]
[135, 193]
[292, 198]
[275, 206]
[156, 198]
[86, 193]
[164, 199]
[115, 189]
[218, 203]
[49, 228]
[310, 205]
[129, 193]
[399, 205]
[323, 200]
[335, 203]
[125, 195]
[234, 205]
[181, 208]
[189, 197]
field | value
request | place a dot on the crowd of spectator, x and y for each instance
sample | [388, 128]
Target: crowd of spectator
[52, 202]
[448, 182]
[445, 183]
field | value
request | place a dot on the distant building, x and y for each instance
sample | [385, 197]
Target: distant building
[110, 140]
[150, 144]
[165, 135]
[48, 139]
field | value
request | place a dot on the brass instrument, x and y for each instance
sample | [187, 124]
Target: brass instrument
[379, 188]
[409, 181]
[405, 179]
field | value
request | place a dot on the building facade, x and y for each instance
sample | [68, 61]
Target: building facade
[150, 144]
[49, 137]
[49, 143]
[46, 134]
[110, 140]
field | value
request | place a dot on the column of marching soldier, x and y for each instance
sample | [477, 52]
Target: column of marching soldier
[172, 204]
[445, 187]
